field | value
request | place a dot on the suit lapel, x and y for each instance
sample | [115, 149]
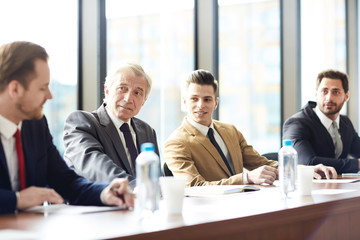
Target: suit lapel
[4, 171]
[31, 169]
[140, 133]
[312, 114]
[111, 130]
[344, 132]
[205, 142]
[230, 143]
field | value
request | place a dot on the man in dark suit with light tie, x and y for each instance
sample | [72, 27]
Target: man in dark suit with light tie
[103, 145]
[320, 133]
[209, 152]
[31, 169]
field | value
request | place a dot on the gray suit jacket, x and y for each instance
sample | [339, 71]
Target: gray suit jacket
[94, 149]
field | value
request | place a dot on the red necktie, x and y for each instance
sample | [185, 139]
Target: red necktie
[19, 151]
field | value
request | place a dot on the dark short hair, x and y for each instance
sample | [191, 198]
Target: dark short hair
[334, 74]
[17, 62]
[202, 77]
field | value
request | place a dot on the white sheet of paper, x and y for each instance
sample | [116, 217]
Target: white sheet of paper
[335, 180]
[71, 209]
[331, 191]
[217, 190]
[11, 234]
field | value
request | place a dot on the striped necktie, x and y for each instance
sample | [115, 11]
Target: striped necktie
[129, 143]
[337, 140]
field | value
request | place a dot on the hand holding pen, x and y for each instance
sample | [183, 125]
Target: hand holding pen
[118, 193]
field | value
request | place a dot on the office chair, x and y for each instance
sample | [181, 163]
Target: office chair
[167, 171]
[271, 156]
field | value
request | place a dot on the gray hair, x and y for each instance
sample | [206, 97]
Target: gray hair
[133, 67]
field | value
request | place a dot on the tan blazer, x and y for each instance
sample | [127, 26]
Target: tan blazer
[190, 154]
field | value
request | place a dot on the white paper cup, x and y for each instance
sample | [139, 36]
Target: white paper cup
[305, 175]
[173, 193]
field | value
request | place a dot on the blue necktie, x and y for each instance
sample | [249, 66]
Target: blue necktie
[216, 145]
[129, 143]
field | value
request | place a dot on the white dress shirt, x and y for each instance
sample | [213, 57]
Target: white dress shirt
[7, 131]
[327, 122]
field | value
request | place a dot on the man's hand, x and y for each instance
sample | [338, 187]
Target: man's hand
[34, 196]
[263, 174]
[118, 193]
[321, 171]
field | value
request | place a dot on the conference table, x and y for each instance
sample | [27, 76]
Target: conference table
[332, 211]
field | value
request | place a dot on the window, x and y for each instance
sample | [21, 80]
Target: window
[323, 42]
[53, 25]
[249, 70]
[159, 35]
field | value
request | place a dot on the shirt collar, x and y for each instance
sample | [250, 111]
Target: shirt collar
[325, 120]
[8, 128]
[117, 122]
[202, 128]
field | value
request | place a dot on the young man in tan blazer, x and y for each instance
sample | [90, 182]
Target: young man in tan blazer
[190, 152]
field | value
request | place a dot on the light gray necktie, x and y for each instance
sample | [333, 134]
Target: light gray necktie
[337, 140]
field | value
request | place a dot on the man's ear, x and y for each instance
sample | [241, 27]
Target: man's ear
[347, 95]
[144, 102]
[216, 102]
[106, 90]
[15, 89]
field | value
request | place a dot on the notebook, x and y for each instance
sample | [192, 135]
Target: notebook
[218, 190]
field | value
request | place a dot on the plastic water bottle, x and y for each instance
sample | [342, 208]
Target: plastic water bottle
[147, 181]
[288, 159]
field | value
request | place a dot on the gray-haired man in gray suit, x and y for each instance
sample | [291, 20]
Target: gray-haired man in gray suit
[96, 144]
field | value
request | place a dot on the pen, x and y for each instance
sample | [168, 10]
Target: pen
[117, 189]
[121, 196]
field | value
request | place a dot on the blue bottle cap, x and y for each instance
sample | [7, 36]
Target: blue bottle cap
[147, 147]
[287, 142]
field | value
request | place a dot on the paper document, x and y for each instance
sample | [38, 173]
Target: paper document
[341, 180]
[11, 234]
[218, 190]
[331, 191]
[71, 209]
[351, 174]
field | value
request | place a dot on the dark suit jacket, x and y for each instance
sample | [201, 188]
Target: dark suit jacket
[191, 155]
[45, 167]
[94, 149]
[314, 143]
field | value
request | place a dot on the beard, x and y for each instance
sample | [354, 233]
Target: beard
[34, 114]
[330, 112]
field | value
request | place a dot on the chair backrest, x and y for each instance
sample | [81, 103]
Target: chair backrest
[167, 171]
[271, 155]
